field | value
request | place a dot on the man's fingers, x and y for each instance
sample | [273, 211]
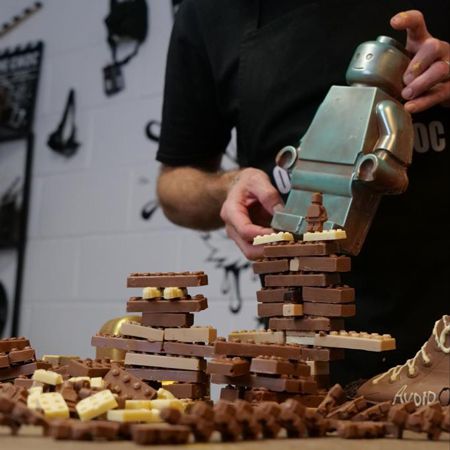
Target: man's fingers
[414, 23]
[250, 251]
[437, 94]
[430, 51]
[436, 73]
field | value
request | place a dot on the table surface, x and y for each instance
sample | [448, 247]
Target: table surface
[411, 441]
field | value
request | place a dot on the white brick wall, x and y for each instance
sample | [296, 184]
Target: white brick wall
[85, 229]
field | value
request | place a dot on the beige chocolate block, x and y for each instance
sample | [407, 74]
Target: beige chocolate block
[47, 377]
[151, 292]
[258, 336]
[294, 265]
[59, 360]
[192, 334]
[282, 236]
[140, 331]
[326, 235]
[372, 342]
[170, 293]
[133, 415]
[292, 309]
[167, 362]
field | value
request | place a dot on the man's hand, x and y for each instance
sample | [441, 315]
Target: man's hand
[427, 77]
[248, 208]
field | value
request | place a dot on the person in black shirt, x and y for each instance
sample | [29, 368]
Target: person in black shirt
[263, 67]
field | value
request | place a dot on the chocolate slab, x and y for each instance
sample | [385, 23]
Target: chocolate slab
[89, 368]
[302, 279]
[294, 385]
[336, 294]
[187, 376]
[167, 320]
[21, 356]
[271, 266]
[272, 365]
[331, 263]
[322, 354]
[137, 304]
[231, 367]
[10, 373]
[279, 295]
[329, 309]
[290, 249]
[7, 344]
[306, 324]
[253, 350]
[270, 309]
[168, 279]
[121, 382]
[186, 349]
[121, 343]
[194, 391]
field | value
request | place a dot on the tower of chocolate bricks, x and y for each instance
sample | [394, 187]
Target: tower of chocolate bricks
[165, 347]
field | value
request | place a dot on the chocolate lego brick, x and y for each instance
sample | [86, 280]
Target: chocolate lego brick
[291, 418]
[271, 266]
[10, 373]
[306, 324]
[360, 430]
[335, 294]
[89, 367]
[186, 376]
[187, 349]
[322, 354]
[166, 362]
[329, 309]
[121, 382]
[376, 412]
[194, 391]
[21, 356]
[195, 304]
[230, 393]
[334, 397]
[279, 309]
[225, 421]
[331, 263]
[279, 295]
[168, 279]
[231, 367]
[290, 249]
[248, 350]
[257, 336]
[251, 428]
[272, 365]
[160, 433]
[294, 385]
[4, 360]
[348, 409]
[167, 320]
[129, 344]
[7, 344]
[266, 414]
[302, 279]
[25, 383]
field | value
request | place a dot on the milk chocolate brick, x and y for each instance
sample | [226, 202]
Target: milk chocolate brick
[194, 391]
[272, 365]
[124, 384]
[7, 344]
[188, 349]
[330, 263]
[128, 344]
[329, 294]
[150, 374]
[291, 249]
[232, 367]
[305, 324]
[271, 266]
[279, 295]
[167, 320]
[302, 279]
[195, 304]
[168, 279]
[329, 309]
[89, 367]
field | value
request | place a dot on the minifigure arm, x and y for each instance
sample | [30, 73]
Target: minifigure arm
[385, 168]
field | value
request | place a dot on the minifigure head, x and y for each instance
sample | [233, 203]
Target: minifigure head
[317, 198]
[379, 63]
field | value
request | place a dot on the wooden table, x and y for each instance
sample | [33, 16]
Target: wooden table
[411, 441]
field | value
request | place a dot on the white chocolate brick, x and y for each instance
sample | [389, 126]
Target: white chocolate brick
[171, 293]
[292, 310]
[96, 405]
[54, 405]
[134, 415]
[47, 377]
[151, 292]
[282, 236]
[326, 235]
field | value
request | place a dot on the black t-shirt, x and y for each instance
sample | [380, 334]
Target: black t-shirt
[264, 66]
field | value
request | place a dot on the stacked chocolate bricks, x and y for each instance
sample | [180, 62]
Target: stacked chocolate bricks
[165, 347]
[17, 358]
[258, 365]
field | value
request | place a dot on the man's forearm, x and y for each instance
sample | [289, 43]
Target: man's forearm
[192, 197]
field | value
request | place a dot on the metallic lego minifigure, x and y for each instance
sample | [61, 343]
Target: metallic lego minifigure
[357, 148]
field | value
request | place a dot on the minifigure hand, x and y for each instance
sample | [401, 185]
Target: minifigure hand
[427, 78]
[248, 208]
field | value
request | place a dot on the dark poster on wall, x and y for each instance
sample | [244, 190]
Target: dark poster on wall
[19, 78]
